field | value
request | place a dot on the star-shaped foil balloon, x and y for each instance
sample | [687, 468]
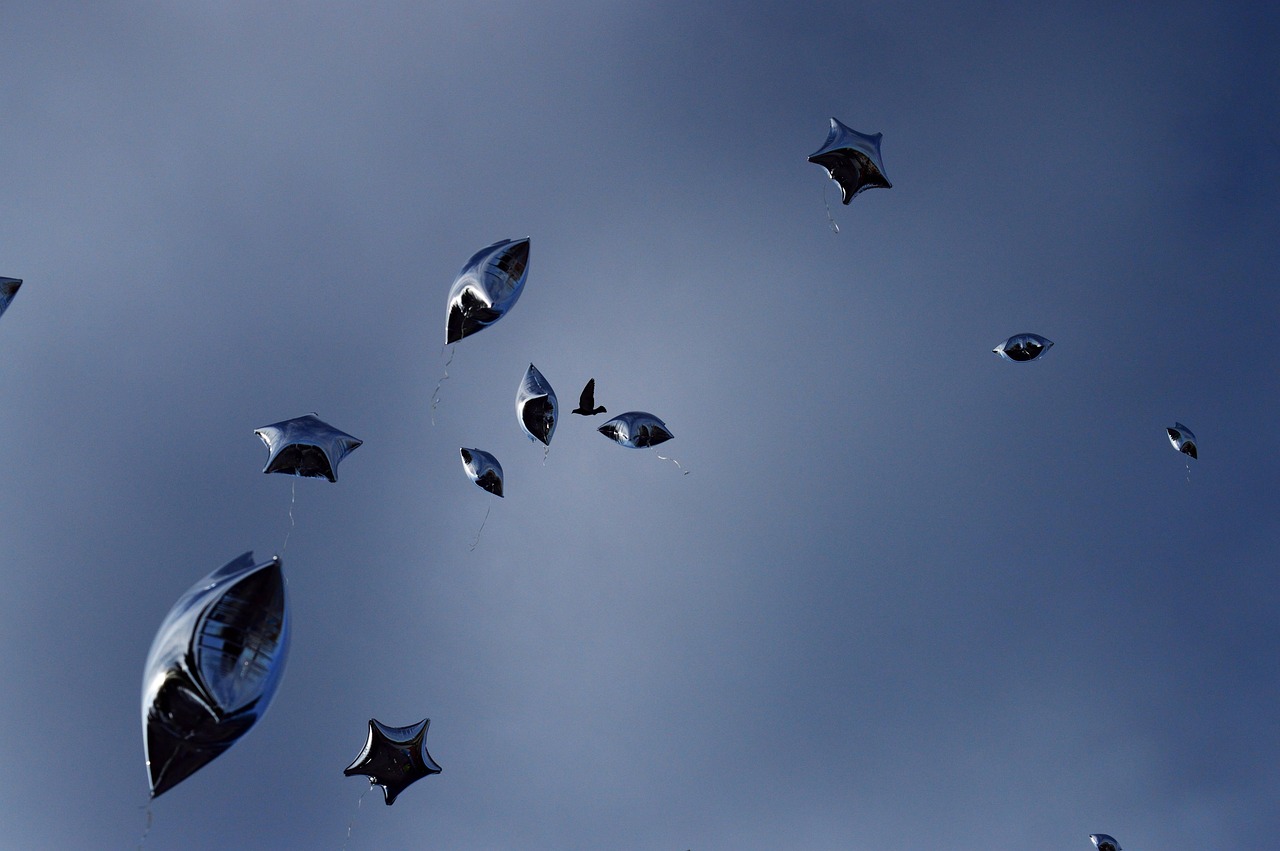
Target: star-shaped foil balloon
[852, 159]
[394, 757]
[306, 446]
[8, 289]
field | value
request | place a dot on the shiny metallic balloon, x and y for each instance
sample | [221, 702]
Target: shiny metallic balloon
[536, 406]
[636, 430]
[487, 287]
[483, 469]
[1183, 440]
[213, 668]
[1023, 347]
[306, 446]
[394, 757]
[1104, 843]
[8, 289]
[852, 159]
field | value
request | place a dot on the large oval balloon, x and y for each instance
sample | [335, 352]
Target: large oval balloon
[487, 287]
[483, 469]
[213, 668]
[1183, 440]
[636, 430]
[536, 406]
[8, 289]
[1023, 347]
[852, 159]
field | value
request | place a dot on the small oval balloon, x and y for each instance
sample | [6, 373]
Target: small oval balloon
[636, 430]
[394, 757]
[306, 446]
[1023, 347]
[8, 289]
[483, 469]
[214, 666]
[536, 406]
[852, 159]
[1183, 440]
[1103, 842]
[487, 287]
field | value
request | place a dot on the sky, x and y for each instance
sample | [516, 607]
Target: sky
[909, 596]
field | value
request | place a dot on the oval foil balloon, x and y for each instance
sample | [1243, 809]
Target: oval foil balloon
[1183, 440]
[213, 668]
[852, 159]
[1023, 347]
[487, 287]
[636, 430]
[1103, 842]
[483, 469]
[8, 289]
[536, 406]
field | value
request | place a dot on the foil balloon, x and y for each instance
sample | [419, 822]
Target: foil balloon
[1183, 440]
[394, 757]
[487, 287]
[636, 430]
[306, 446]
[1103, 842]
[1023, 347]
[213, 668]
[483, 469]
[8, 289]
[852, 159]
[536, 406]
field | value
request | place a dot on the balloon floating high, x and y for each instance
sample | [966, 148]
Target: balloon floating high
[394, 757]
[536, 406]
[483, 469]
[487, 287]
[1103, 842]
[852, 159]
[1183, 440]
[636, 430]
[587, 401]
[1023, 347]
[8, 289]
[306, 446]
[213, 668]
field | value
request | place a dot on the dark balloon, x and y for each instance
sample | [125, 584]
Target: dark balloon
[587, 401]
[536, 406]
[8, 289]
[1104, 843]
[1023, 347]
[636, 430]
[306, 446]
[852, 159]
[487, 287]
[483, 469]
[213, 668]
[1183, 440]
[394, 757]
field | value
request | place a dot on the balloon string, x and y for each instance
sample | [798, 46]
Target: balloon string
[546, 450]
[435, 396]
[147, 830]
[293, 497]
[476, 542]
[835, 228]
[352, 823]
[673, 461]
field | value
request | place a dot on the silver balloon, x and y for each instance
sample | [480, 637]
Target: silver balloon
[636, 430]
[306, 446]
[852, 159]
[394, 757]
[487, 287]
[536, 406]
[1023, 347]
[1104, 843]
[1183, 440]
[483, 469]
[8, 289]
[213, 668]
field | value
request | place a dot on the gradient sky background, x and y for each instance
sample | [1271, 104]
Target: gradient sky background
[910, 596]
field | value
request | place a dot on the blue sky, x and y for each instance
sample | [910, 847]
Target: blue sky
[910, 596]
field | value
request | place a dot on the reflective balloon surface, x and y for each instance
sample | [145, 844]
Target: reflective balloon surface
[487, 287]
[852, 159]
[8, 289]
[1183, 440]
[1104, 843]
[394, 757]
[306, 446]
[483, 469]
[536, 406]
[1023, 347]
[213, 668]
[636, 430]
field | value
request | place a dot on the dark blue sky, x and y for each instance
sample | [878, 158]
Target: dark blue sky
[910, 596]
